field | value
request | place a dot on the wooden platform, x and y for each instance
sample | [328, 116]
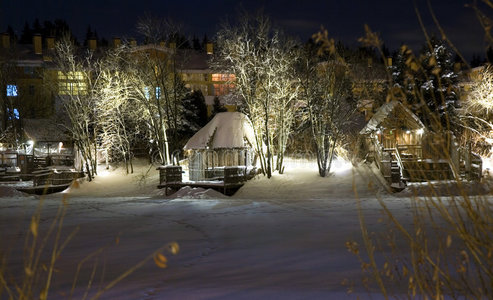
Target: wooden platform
[170, 178]
[220, 186]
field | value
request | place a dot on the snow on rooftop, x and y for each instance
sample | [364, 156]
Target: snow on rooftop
[383, 112]
[225, 130]
[45, 130]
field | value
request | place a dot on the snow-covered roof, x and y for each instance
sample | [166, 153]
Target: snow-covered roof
[45, 130]
[386, 111]
[225, 130]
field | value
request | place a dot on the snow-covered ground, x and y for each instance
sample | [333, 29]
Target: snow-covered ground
[282, 238]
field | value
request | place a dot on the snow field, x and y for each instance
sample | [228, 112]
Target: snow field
[282, 238]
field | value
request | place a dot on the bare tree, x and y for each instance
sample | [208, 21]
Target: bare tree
[75, 84]
[262, 62]
[118, 115]
[156, 82]
[476, 111]
[326, 89]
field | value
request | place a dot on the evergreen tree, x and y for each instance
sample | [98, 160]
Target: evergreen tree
[26, 35]
[194, 113]
[205, 40]
[48, 28]
[476, 61]
[217, 107]
[13, 36]
[104, 42]
[489, 55]
[89, 35]
[429, 84]
[37, 28]
[196, 44]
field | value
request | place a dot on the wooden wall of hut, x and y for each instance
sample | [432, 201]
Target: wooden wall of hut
[440, 146]
[391, 138]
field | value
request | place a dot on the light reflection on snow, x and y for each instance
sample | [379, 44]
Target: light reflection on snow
[338, 165]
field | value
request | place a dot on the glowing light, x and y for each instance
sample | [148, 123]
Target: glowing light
[378, 131]
[408, 131]
[420, 131]
[340, 165]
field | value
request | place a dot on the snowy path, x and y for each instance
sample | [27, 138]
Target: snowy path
[278, 239]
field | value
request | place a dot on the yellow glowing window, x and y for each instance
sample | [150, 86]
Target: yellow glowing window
[223, 77]
[71, 83]
[222, 89]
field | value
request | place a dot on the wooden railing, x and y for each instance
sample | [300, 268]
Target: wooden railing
[378, 153]
[410, 152]
[472, 164]
[399, 161]
[55, 178]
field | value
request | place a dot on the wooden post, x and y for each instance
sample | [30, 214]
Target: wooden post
[467, 162]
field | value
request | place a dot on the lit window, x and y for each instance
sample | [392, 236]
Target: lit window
[11, 90]
[14, 114]
[158, 92]
[223, 77]
[71, 83]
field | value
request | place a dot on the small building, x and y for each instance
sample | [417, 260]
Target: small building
[404, 150]
[48, 142]
[227, 140]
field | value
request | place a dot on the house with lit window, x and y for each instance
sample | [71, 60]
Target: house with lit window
[405, 151]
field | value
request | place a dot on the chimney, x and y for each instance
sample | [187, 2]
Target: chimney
[133, 43]
[92, 43]
[5, 40]
[172, 45]
[389, 61]
[161, 43]
[38, 44]
[50, 43]
[209, 48]
[117, 42]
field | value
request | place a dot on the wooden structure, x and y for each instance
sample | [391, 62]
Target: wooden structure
[404, 150]
[170, 178]
[226, 141]
[45, 181]
[50, 143]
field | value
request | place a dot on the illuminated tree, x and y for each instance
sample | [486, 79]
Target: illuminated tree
[157, 85]
[476, 112]
[262, 61]
[326, 91]
[75, 84]
[429, 83]
[118, 119]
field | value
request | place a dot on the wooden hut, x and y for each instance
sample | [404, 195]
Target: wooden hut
[50, 143]
[405, 150]
[226, 141]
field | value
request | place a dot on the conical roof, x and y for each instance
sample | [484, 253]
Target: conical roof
[225, 130]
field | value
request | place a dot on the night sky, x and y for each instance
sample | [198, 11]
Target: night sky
[395, 20]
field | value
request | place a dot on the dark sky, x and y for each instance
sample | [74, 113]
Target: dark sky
[395, 20]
